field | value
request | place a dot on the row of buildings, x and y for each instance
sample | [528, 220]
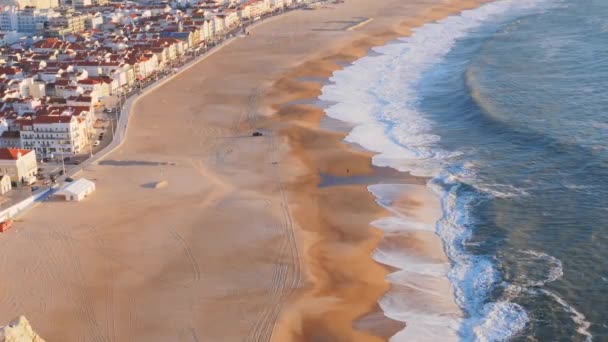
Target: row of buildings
[54, 75]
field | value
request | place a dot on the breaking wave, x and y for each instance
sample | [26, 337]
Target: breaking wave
[378, 94]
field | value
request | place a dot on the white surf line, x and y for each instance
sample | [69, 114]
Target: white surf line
[361, 24]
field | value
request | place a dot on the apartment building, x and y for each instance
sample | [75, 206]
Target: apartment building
[70, 22]
[54, 135]
[29, 20]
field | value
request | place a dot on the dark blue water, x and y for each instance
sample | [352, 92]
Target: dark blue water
[525, 101]
[505, 109]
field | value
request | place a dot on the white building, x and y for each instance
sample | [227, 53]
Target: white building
[28, 87]
[10, 37]
[76, 190]
[81, 3]
[5, 184]
[94, 21]
[22, 105]
[3, 126]
[18, 164]
[42, 4]
[52, 135]
[28, 20]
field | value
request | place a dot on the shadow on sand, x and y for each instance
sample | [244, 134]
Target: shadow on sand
[133, 163]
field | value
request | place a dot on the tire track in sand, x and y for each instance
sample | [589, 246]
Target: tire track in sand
[196, 272]
[286, 276]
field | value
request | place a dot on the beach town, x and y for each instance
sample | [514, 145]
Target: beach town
[67, 69]
[215, 201]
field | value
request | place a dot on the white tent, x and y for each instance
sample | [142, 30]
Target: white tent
[76, 190]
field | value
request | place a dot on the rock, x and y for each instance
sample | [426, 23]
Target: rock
[19, 330]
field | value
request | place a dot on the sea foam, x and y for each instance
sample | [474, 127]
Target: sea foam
[378, 96]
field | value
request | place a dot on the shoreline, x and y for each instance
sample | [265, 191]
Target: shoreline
[176, 263]
[354, 316]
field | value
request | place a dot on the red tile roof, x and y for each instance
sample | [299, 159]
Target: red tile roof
[13, 153]
[51, 119]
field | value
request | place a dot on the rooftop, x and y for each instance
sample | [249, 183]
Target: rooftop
[13, 153]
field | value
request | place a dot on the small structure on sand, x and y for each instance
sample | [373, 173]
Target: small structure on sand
[160, 184]
[156, 185]
[76, 190]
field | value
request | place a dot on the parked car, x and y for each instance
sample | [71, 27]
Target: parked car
[69, 179]
[46, 160]
[34, 188]
[96, 143]
[67, 159]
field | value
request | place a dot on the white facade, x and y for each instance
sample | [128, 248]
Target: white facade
[29, 20]
[3, 126]
[26, 106]
[41, 4]
[19, 165]
[5, 184]
[82, 3]
[30, 88]
[55, 135]
[10, 37]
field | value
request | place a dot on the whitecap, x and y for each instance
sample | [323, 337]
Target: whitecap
[582, 325]
[378, 95]
[501, 320]
[551, 265]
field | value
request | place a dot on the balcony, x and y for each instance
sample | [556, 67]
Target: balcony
[52, 137]
[41, 130]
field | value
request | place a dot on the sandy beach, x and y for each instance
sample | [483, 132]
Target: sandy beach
[242, 244]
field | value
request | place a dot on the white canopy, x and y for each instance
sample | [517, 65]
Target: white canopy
[77, 189]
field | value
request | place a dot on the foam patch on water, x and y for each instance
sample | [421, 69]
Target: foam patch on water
[551, 265]
[394, 224]
[378, 95]
[502, 320]
[420, 294]
[410, 263]
[582, 325]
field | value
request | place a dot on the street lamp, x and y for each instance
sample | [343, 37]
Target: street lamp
[62, 161]
[111, 123]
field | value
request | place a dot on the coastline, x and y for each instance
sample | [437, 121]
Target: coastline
[340, 251]
[135, 245]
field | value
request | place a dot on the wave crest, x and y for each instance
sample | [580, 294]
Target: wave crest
[378, 95]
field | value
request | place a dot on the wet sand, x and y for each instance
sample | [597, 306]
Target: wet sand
[241, 244]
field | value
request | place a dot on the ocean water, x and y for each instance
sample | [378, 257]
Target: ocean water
[505, 109]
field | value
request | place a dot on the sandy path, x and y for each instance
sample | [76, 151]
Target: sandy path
[216, 254]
